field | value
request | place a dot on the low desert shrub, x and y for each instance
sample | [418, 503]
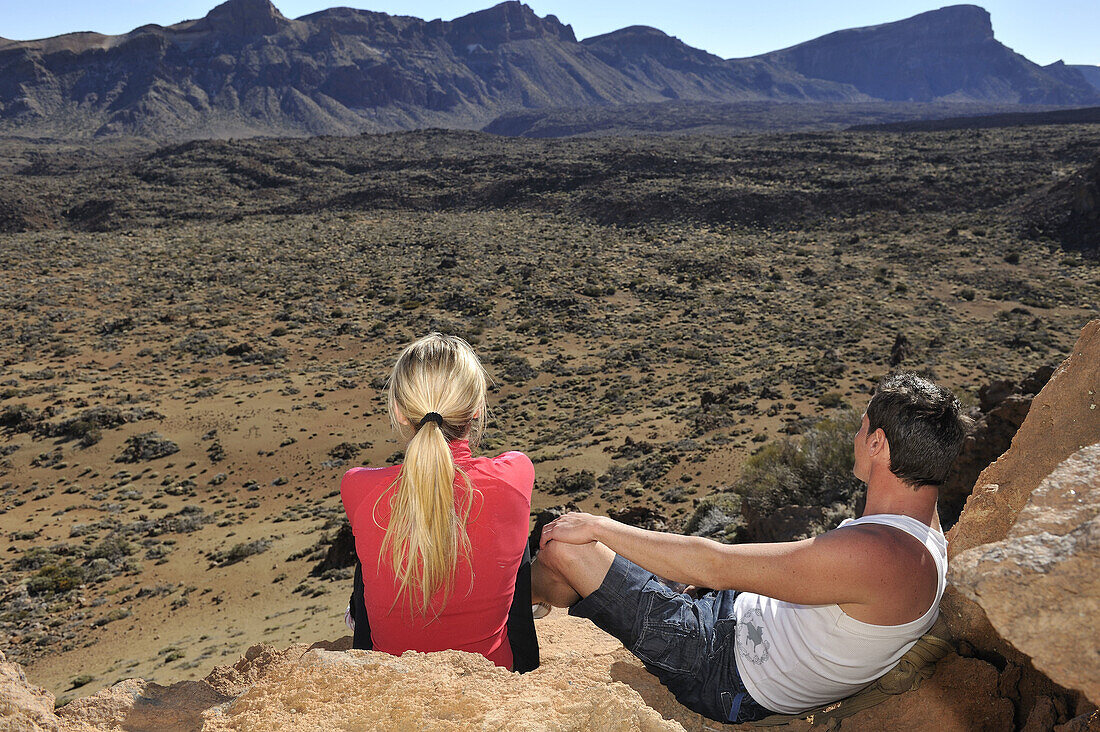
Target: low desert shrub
[814, 468]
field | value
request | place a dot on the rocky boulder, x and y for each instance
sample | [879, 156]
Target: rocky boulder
[1063, 418]
[1040, 586]
[1023, 554]
[23, 706]
[1003, 406]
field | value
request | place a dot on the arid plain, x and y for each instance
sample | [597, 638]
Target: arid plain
[194, 340]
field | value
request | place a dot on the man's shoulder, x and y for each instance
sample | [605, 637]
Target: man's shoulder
[879, 542]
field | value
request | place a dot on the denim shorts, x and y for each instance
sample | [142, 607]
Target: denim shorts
[688, 644]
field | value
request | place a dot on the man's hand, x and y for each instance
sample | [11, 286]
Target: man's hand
[572, 528]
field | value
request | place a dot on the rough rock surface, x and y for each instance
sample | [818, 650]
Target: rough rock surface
[23, 706]
[1040, 587]
[1003, 407]
[1063, 418]
[587, 681]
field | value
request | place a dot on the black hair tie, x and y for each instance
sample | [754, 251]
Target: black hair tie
[432, 417]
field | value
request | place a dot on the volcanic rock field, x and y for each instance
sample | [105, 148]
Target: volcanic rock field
[194, 339]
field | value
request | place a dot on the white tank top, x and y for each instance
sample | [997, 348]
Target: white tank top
[796, 657]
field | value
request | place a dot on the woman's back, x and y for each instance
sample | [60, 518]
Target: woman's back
[474, 616]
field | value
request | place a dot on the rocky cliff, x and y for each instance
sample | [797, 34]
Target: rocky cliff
[948, 53]
[245, 69]
[1022, 605]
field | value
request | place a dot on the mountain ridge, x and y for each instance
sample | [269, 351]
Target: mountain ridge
[245, 69]
[963, 61]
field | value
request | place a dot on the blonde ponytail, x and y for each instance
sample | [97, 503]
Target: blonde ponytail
[438, 376]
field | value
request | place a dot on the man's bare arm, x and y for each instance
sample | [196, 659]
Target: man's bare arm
[846, 566]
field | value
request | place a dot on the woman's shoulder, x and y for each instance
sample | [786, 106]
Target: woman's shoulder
[367, 476]
[514, 461]
[513, 468]
[512, 457]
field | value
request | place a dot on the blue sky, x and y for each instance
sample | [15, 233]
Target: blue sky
[1042, 31]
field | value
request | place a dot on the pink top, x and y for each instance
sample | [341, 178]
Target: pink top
[476, 614]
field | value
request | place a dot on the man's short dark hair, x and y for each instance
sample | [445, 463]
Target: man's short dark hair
[923, 423]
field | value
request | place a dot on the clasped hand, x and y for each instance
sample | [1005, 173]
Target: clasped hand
[572, 528]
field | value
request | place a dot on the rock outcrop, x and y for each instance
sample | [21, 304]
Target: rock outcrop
[587, 681]
[1040, 586]
[23, 706]
[1023, 555]
[1063, 418]
[1003, 406]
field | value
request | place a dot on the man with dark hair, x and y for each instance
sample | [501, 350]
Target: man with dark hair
[792, 625]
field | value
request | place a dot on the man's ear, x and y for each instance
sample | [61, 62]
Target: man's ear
[878, 444]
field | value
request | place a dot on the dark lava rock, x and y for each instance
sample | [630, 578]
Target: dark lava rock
[784, 523]
[340, 554]
[995, 392]
[345, 451]
[640, 516]
[902, 350]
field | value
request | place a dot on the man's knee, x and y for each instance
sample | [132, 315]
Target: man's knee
[582, 566]
[560, 557]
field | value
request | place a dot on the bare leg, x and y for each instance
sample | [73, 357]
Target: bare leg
[564, 573]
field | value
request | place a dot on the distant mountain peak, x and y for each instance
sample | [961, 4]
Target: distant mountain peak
[967, 20]
[246, 69]
[244, 18]
[632, 31]
[639, 41]
[948, 54]
[505, 22]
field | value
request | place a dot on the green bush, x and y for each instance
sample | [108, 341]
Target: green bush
[239, 552]
[817, 464]
[82, 680]
[814, 469]
[55, 579]
[717, 516]
[584, 481]
[36, 557]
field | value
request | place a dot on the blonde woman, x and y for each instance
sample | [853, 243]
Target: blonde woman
[442, 537]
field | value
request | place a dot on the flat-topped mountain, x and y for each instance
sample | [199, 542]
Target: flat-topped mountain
[246, 69]
[948, 54]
